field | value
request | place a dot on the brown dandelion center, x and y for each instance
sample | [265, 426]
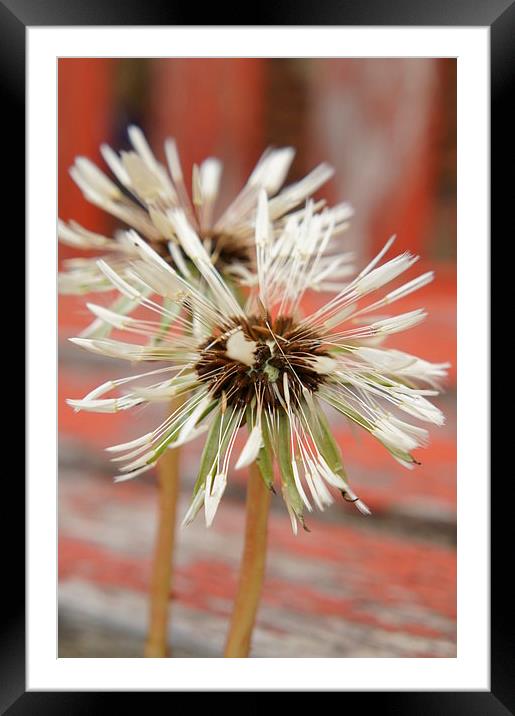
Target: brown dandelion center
[225, 250]
[250, 356]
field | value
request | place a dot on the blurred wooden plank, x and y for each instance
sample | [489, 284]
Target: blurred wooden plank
[212, 107]
[376, 121]
[338, 591]
[85, 88]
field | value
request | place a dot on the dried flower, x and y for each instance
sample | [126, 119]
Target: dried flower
[265, 366]
[144, 195]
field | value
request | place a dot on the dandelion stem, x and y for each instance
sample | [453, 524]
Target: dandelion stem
[161, 584]
[252, 567]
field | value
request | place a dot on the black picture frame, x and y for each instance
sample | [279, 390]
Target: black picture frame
[499, 16]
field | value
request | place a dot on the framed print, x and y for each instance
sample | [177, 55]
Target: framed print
[263, 464]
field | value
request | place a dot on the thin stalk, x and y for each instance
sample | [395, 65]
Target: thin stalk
[252, 567]
[156, 644]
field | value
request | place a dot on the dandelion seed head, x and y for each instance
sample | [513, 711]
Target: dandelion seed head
[157, 201]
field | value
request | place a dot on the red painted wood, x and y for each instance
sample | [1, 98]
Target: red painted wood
[211, 107]
[85, 89]
[389, 587]
[201, 582]
[376, 121]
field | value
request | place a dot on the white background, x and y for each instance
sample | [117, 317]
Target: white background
[470, 670]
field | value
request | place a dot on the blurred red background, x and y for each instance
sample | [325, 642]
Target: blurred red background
[384, 586]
